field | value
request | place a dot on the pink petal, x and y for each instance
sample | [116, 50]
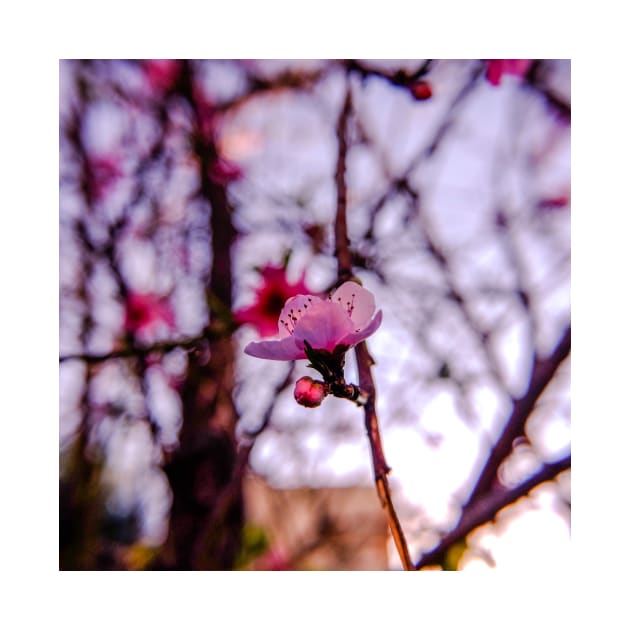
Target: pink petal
[285, 349]
[294, 309]
[494, 71]
[356, 301]
[323, 326]
[354, 338]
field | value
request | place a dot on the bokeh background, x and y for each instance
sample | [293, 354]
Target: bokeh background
[191, 191]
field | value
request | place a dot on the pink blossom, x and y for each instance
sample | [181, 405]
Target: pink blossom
[103, 172]
[145, 311]
[308, 392]
[223, 171]
[554, 203]
[270, 298]
[161, 73]
[273, 560]
[496, 68]
[343, 319]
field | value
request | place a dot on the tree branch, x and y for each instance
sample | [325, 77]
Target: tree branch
[342, 243]
[542, 373]
[487, 507]
[364, 360]
[135, 351]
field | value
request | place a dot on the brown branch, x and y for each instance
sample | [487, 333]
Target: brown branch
[381, 469]
[485, 509]
[364, 360]
[342, 243]
[535, 80]
[399, 78]
[428, 150]
[259, 86]
[542, 373]
[135, 351]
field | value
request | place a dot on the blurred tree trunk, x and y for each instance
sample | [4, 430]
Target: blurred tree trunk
[207, 513]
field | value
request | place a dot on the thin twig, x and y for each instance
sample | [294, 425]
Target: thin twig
[137, 351]
[342, 243]
[364, 360]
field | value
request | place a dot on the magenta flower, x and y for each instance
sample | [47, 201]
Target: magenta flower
[343, 320]
[146, 311]
[223, 171]
[102, 173]
[271, 296]
[496, 68]
[161, 73]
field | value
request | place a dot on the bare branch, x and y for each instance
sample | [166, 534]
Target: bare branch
[542, 373]
[342, 244]
[364, 360]
[136, 351]
[485, 509]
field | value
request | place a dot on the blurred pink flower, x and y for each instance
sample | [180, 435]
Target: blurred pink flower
[223, 172]
[496, 68]
[343, 319]
[271, 296]
[103, 172]
[558, 202]
[309, 393]
[145, 311]
[161, 73]
[273, 560]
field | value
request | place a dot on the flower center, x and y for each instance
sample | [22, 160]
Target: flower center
[274, 303]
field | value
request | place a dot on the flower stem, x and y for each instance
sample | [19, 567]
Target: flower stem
[366, 391]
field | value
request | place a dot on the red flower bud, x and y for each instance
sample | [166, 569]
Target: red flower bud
[421, 90]
[309, 393]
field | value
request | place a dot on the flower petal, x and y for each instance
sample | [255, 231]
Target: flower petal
[356, 301]
[356, 337]
[323, 326]
[286, 349]
[294, 309]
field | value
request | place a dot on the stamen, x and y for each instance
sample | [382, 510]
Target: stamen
[350, 306]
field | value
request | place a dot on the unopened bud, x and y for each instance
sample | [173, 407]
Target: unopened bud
[309, 392]
[421, 90]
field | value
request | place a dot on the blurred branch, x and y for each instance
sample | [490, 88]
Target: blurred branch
[364, 360]
[398, 78]
[401, 183]
[136, 351]
[441, 259]
[542, 374]
[260, 86]
[535, 81]
[252, 435]
[485, 509]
